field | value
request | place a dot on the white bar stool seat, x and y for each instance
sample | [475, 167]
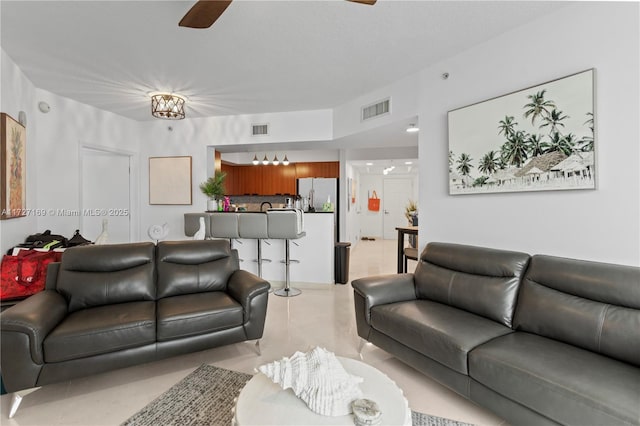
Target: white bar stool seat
[254, 226]
[225, 225]
[286, 224]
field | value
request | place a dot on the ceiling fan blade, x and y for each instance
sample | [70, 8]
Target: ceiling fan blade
[369, 2]
[204, 13]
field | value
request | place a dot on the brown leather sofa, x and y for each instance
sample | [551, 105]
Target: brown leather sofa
[113, 306]
[539, 340]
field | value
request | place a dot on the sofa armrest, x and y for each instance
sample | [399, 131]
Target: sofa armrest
[35, 316]
[384, 289]
[379, 290]
[252, 292]
[52, 275]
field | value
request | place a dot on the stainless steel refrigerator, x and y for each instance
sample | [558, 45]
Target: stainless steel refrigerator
[319, 191]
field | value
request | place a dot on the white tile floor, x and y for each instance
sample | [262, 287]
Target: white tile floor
[318, 317]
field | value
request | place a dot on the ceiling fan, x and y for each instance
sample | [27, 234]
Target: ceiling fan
[205, 12]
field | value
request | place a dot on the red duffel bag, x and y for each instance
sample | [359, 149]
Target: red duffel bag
[24, 274]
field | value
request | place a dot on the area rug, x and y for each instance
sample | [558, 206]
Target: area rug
[206, 398]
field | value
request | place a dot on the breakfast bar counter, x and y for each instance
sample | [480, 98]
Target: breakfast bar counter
[312, 255]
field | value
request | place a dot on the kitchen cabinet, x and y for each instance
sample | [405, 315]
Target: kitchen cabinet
[271, 180]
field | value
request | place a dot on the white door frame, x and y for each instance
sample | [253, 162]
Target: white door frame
[134, 179]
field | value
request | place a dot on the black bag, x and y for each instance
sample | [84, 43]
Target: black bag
[46, 240]
[77, 240]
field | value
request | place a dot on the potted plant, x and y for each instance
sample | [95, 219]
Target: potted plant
[411, 212]
[213, 188]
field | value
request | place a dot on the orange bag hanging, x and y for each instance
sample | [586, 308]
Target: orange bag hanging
[374, 202]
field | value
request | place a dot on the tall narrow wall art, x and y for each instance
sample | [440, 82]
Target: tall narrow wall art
[13, 168]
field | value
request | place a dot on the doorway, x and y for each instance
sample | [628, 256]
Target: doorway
[397, 193]
[105, 194]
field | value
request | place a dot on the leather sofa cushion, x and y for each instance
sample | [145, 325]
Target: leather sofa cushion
[186, 267]
[480, 280]
[101, 330]
[550, 378]
[99, 275]
[592, 305]
[194, 314]
[438, 331]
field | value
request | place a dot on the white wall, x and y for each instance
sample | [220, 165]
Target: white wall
[192, 136]
[61, 133]
[599, 225]
[602, 225]
[351, 224]
[404, 104]
[18, 94]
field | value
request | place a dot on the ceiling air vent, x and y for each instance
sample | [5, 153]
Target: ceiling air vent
[259, 129]
[376, 110]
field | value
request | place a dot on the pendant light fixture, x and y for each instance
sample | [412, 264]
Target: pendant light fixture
[276, 161]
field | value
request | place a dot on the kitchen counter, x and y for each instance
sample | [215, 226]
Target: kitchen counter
[312, 256]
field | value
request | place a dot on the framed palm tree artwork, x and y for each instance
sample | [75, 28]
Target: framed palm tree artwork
[13, 141]
[536, 139]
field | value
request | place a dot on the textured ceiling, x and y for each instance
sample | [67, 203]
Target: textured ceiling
[260, 56]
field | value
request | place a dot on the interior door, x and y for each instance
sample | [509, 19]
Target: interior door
[396, 194]
[106, 195]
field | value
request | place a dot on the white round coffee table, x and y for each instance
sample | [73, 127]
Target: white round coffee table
[262, 402]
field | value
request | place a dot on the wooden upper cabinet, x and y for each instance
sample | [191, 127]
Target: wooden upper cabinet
[325, 169]
[270, 179]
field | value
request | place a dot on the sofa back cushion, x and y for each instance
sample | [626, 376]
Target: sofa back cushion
[592, 305]
[99, 275]
[186, 267]
[480, 280]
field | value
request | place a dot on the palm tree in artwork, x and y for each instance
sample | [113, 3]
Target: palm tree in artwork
[554, 120]
[480, 181]
[507, 126]
[589, 121]
[464, 165]
[538, 107]
[489, 163]
[587, 141]
[515, 151]
[536, 145]
[569, 143]
[562, 143]
[451, 157]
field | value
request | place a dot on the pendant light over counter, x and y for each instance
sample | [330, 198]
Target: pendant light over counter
[265, 161]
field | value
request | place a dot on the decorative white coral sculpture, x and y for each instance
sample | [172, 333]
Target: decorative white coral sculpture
[317, 378]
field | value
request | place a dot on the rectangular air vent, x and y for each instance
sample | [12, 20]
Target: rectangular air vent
[259, 129]
[376, 110]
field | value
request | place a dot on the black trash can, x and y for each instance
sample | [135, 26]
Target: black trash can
[341, 263]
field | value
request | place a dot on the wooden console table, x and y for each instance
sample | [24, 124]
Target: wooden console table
[402, 231]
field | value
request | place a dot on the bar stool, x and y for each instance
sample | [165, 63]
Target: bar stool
[254, 226]
[225, 225]
[286, 225]
[192, 224]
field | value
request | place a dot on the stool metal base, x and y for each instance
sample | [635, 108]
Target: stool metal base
[287, 292]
